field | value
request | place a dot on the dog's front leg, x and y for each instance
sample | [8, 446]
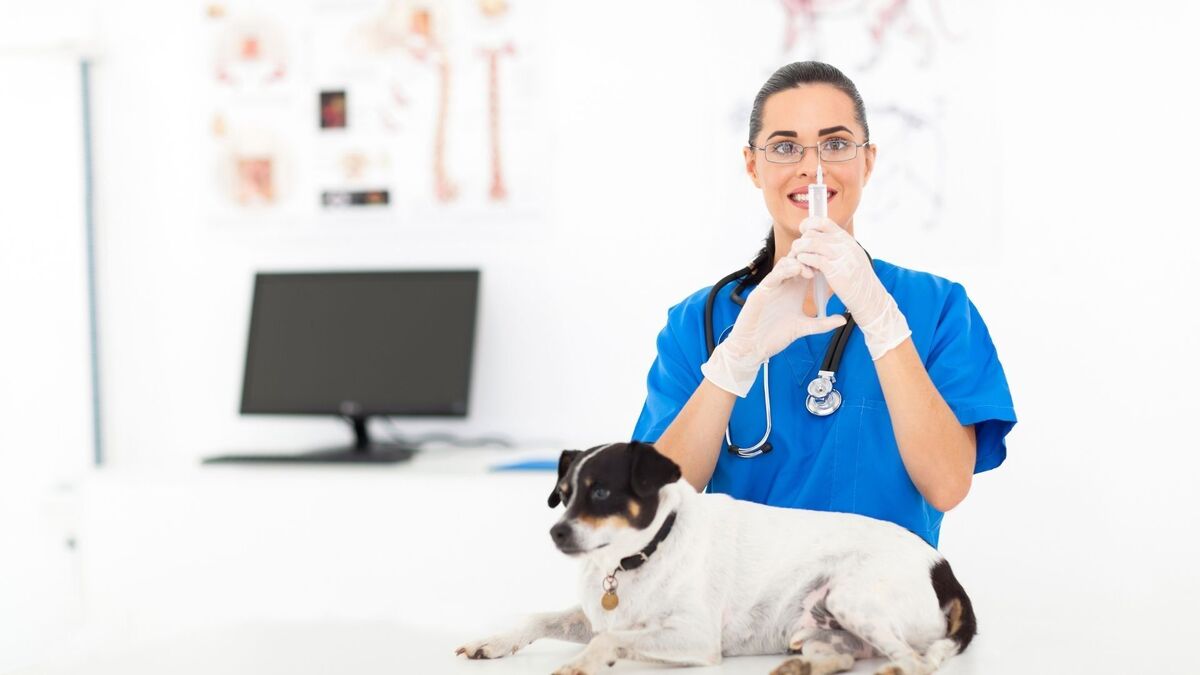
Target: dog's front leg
[570, 625]
[656, 645]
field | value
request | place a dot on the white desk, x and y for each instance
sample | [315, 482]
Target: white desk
[310, 569]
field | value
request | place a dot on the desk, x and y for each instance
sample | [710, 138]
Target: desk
[317, 569]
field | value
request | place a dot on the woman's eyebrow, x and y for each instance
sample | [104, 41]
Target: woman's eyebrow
[821, 132]
[830, 130]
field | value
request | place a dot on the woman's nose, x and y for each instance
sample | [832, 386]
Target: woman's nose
[807, 166]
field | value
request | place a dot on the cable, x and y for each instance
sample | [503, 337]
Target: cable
[447, 438]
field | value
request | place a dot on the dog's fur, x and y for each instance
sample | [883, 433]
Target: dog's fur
[734, 577]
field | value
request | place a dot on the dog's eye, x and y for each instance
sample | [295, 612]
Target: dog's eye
[599, 494]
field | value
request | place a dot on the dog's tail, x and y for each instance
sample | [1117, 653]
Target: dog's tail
[960, 618]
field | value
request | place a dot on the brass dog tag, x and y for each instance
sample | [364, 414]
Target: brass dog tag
[609, 601]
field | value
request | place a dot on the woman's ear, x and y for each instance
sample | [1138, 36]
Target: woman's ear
[870, 157]
[751, 159]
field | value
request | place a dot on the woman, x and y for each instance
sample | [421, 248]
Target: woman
[925, 401]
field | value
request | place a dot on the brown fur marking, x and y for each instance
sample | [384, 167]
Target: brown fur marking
[614, 520]
[954, 616]
[793, 667]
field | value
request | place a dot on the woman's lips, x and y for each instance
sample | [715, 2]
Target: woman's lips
[802, 202]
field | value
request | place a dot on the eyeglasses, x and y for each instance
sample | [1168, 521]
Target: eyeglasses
[829, 150]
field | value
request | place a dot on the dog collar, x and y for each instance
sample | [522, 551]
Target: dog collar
[610, 600]
[635, 561]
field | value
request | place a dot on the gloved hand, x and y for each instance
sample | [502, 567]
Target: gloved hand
[772, 318]
[824, 246]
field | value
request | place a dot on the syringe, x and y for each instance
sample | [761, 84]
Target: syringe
[818, 205]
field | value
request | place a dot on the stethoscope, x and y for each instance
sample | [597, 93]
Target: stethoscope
[823, 399]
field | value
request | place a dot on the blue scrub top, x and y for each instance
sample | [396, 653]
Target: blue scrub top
[848, 461]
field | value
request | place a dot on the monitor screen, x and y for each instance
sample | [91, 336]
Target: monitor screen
[361, 343]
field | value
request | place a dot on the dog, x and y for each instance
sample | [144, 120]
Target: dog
[672, 576]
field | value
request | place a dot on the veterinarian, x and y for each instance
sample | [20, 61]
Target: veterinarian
[921, 402]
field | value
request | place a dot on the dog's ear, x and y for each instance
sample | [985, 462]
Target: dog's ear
[565, 460]
[650, 469]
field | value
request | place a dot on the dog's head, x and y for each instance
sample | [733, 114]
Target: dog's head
[612, 495]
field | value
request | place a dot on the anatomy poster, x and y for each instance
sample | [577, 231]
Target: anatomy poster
[404, 109]
[922, 67]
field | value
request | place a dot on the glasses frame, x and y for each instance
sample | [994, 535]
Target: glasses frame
[806, 148]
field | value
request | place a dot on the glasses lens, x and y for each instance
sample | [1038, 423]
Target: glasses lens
[784, 152]
[838, 150]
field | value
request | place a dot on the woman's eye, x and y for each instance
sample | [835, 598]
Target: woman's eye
[784, 148]
[599, 494]
[836, 144]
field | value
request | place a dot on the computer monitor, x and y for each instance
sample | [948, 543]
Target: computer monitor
[357, 344]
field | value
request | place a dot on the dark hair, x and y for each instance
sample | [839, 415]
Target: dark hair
[789, 77]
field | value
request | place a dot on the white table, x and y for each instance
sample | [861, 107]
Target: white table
[318, 569]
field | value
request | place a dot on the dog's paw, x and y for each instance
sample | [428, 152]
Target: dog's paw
[798, 666]
[492, 648]
[891, 669]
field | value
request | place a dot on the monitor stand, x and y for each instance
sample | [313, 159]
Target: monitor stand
[364, 451]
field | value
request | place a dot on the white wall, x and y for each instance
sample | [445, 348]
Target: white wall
[45, 385]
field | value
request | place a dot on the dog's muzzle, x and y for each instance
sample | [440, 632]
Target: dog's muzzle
[564, 538]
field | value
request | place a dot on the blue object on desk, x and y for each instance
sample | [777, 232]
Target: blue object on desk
[528, 465]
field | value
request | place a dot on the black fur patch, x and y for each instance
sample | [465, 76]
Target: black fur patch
[650, 469]
[947, 589]
[565, 460]
[614, 476]
[823, 616]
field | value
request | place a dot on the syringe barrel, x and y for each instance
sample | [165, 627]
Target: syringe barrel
[818, 205]
[818, 200]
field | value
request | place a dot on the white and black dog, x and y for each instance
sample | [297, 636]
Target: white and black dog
[672, 576]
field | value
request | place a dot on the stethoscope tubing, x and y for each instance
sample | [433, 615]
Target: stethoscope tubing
[710, 340]
[819, 406]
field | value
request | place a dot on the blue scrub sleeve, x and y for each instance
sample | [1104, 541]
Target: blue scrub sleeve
[672, 380]
[966, 370]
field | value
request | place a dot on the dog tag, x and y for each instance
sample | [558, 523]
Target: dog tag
[609, 601]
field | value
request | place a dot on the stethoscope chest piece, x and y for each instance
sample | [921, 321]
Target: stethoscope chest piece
[823, 399]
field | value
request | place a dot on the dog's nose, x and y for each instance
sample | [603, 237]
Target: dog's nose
[560, 532]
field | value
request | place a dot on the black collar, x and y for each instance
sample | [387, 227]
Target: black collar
[635, 561]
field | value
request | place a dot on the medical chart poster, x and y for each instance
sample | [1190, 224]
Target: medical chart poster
[404, 112]
[926, 70]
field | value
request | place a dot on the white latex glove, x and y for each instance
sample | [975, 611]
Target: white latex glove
[772, 318]
[826, 247]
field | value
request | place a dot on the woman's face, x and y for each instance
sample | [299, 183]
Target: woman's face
[808, 115]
